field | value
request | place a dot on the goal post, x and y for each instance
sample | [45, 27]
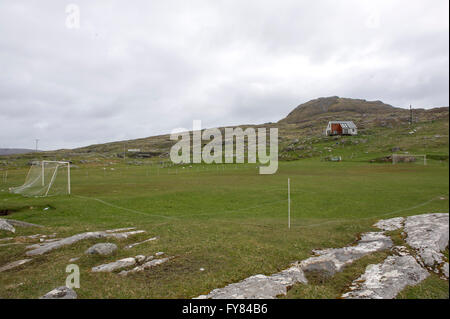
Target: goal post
[46, 178]
[408, 158]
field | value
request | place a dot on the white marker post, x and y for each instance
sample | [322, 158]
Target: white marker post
[68, 177]
[42, 173]
[289, 204]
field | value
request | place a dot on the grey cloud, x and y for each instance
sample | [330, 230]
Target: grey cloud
[143, 68]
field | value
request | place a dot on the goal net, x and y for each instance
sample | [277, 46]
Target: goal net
[409, 158]
[46, 178]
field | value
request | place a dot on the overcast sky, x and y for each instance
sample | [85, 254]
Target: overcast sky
[139, 68]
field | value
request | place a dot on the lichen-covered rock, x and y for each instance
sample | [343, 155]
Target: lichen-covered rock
[118, 264]
[120, 229]
[149, 264]
[49, 246]
[387, 279]
[259, 286]
[62, 292]
[14, 264]
[142, 242]
[330, 261]
[429, 235]
[22, 224]
[4, 225]
[103, 249]
[390, 224]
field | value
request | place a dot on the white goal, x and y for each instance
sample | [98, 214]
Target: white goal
[46, 178]
[409, 158]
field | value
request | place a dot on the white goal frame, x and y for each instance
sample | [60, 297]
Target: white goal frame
[54, 175]
[396, 156]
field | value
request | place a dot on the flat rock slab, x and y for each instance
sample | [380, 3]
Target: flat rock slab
[22, 224]
[260, 286]
[40, 237]
[330, 261]
[4, 225]
[103, 249]
[141, 242]
[428, 234]
[124, 235]
[149, 264]
[62, 292]
[49, 246]
[386, 280]
[119, 264]
[120, 229]
[390, 224]
[14, 264]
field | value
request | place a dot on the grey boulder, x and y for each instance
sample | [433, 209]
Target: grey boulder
[103, 249]
[4, 225]
[62, 292]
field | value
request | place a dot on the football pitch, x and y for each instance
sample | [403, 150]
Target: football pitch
[225, 219]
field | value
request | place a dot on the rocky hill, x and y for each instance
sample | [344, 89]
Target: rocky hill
[335, 104]
[364, 113]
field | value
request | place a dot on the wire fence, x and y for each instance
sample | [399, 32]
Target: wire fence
[294, 224]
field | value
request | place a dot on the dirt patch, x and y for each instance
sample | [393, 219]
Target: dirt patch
[6, 212]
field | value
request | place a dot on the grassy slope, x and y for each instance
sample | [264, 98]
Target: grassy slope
[230, 221]
[429, 138]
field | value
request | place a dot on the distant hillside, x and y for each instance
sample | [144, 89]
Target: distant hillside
[304, 124]
[12, 151]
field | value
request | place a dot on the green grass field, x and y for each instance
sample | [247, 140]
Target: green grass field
[227, 219]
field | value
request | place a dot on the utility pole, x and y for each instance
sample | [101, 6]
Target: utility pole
[37, 140]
